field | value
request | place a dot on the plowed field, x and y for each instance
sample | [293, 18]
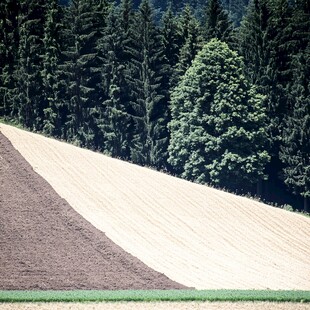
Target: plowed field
[195, 235]
[47, 245]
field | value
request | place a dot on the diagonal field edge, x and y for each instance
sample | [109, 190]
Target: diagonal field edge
[155, 295]
[47, 245]
[211, 239]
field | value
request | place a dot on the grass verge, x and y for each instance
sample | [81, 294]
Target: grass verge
[155, 295]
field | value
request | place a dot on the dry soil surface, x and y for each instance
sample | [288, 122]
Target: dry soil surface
[197, 236]
[46, 244]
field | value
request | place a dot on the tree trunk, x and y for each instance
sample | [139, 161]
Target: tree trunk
[259, 188]
[306, 205]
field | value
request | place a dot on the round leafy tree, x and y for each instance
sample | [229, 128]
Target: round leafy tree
[218, 122]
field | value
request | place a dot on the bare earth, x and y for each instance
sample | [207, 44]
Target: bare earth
[159, 306]
[45, 244]
[195, 235]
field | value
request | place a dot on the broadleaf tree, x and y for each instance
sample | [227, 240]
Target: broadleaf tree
[218, 122]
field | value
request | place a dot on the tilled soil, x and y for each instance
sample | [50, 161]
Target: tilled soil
[45, 244]
[196, 235]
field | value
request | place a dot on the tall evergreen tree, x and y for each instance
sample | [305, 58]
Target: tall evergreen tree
[262, 44]
[218, 24]
[263, 47]
[85, 22]
[236, 10]
[217, 127]
[28, 101]
[279, 73]
[126, 17]
[53, 118]
[297, 38]
[176, 5]
[171, 33]
[186, 18]
[8, 54]
[114, 120]
[189, 50]
[295, 146]
[190, 43]
[254, 37]
[198, 7]
[150, 111]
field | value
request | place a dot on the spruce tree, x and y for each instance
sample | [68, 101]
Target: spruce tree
[9, 10]
[253, 43]
[190, 43]
[176, 5]
[150, 110]
[295, 146]
[28, 101]
[126, 17]
[236, 9]
[218, 24]
[263, 45]
[189, 50]
[278, 72]
[114, 121]
[85, 22]
[198, 7]
[186, 18]
[217, 127]
[263, 39]
[53, 118]
[297, 35]
[171, 35]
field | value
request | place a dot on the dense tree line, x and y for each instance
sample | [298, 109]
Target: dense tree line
[213, 91]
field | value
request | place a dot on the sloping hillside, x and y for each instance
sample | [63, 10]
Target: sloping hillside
[197, 236]
[47, 245]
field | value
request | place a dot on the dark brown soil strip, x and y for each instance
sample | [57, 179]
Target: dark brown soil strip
[46, 245]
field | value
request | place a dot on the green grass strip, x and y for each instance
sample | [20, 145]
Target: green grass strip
[155, 295]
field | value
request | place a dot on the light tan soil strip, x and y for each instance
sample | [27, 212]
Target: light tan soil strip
[158, 306]
[197, 236]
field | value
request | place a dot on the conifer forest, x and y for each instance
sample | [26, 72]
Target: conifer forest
[212, 91]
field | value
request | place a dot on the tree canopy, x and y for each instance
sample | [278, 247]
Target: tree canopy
[217, 127]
